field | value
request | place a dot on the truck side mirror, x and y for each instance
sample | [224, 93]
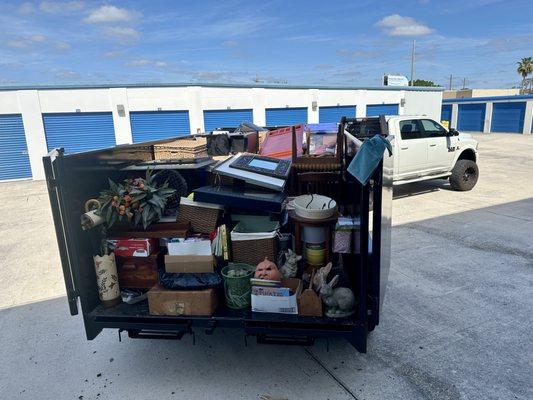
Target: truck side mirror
[453, 132]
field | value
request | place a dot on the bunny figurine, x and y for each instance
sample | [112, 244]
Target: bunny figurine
[321, 276]
[339, 302]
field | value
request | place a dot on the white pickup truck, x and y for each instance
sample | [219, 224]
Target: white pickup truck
[423, 149]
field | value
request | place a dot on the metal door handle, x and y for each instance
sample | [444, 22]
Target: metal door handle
[433, 145]
[404, 148]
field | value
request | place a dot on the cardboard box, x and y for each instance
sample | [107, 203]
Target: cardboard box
[281, 303]
[199, 248]
[189, 264]
[133, 247]
[163, 301]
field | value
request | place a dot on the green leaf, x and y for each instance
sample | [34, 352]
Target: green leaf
[113, 185]
[145, 217]
[114, 217]
[137, 218]
[108, 214]
[138, 197]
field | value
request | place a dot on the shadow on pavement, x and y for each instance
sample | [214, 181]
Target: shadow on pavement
[417, 188]
[456, 324]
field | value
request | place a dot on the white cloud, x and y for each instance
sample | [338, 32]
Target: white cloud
[25, 42]
[396, 25]
[38, 38]
[230, 43]
[113, 54]
[106, 14]
[66, 74]
[143, 62]
[123, 35]
[63, 46]
[60, 7]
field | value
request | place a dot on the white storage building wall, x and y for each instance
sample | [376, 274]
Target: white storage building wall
[34, 103]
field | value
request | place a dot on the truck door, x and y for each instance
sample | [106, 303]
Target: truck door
[413, 149]
[440, 149]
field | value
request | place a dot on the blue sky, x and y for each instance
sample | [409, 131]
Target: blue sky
[293, 42]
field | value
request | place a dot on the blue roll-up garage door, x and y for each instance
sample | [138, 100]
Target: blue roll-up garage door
[214, 119]
[471, 117]
[374, 110]
[286, 116]
[334, 114]
[14, 160]
[78, 132]
[446, 112]
[154, 125]
[508, 117]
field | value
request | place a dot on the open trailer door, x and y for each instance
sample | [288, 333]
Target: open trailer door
[381, 240]
[52, 172]
[65, 189]
[377, 254]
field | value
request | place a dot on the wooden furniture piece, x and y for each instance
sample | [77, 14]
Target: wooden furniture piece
[157, 230]
[322, 172]
[324, 183]
[138, 272]
[325, 162]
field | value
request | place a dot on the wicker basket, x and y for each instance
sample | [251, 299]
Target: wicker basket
[203, 217]
[254, 251]
[181, 148]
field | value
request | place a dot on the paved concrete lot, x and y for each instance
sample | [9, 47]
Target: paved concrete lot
[456, 322]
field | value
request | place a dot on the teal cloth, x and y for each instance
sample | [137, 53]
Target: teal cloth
[368, 157]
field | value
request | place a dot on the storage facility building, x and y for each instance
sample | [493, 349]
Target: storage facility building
[500, 114]
[34, 120]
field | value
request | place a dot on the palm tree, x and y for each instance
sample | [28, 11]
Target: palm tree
[525, 67]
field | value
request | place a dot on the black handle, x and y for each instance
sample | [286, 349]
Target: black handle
[286, 340]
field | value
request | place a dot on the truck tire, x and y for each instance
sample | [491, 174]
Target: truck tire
[464, 175]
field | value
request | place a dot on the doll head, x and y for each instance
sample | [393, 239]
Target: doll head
[267, 270]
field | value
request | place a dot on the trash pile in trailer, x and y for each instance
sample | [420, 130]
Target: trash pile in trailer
[283, 232]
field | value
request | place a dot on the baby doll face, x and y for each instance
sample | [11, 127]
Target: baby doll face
[267, 270]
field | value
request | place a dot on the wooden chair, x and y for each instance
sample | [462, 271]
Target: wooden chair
[324, 183]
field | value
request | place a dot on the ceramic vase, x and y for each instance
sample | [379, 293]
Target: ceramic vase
[107, 279]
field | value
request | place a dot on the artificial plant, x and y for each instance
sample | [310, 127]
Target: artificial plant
[134, 200]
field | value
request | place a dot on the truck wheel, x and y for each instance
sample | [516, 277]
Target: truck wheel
[464, 175]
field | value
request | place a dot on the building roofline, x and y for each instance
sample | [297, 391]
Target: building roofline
[220, 85]
[489, 98]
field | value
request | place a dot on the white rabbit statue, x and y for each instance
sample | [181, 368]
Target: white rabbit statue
[339, 302]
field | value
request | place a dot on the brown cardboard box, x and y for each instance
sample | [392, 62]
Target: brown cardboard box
[189, 263]
[163, 301]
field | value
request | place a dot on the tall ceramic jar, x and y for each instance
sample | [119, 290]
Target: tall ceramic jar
[107, 279]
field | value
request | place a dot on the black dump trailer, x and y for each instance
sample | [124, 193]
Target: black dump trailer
[72, 179]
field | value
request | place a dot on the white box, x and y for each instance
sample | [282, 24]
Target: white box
[200, 248]
[279, 304]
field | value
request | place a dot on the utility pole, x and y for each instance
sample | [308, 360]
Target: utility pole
[413, 63]
[451, 80]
